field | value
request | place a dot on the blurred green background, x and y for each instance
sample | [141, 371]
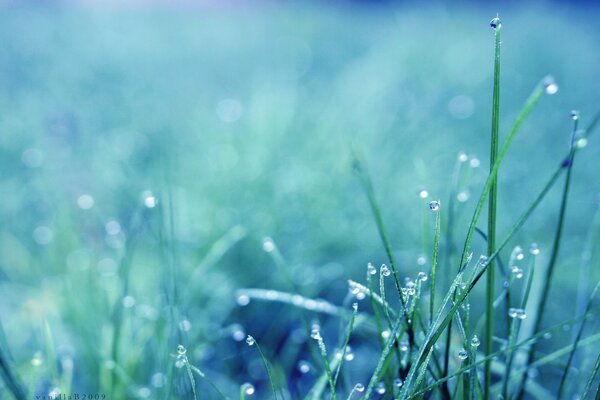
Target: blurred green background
[241, 116]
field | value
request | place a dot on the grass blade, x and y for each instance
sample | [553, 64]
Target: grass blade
[491, 233]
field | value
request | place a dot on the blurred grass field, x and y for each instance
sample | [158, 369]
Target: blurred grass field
[239, 120]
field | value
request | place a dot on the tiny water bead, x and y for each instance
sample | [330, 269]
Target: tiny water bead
[355, 306]
[398, 383]
[550, 86]
[475, 342]
[359, 387]
[250, 340]
[518, 253]
[349, 355]
[574, 115]
[517, 272]
[371, 270]
[385, 271]
[304, 366]
[580, 139]
[495, 23]
[315, 333]
[181, 350]
[463, 196]
[380, 388]
[483, 261]
[404, 345]
[462, 157]
[434, 205]
[385, 334]
[423, 193]
[247, 388]
[243, 300]
[517, 313]
[462, 354]
[149, 200]
[268, 245]
[475, 163]
[422, 276]
[534, 249]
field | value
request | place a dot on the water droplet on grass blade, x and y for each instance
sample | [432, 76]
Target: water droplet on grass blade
[422, 192]
[250, 340]
[434, 205]
[550, 86]
[268, 244]
[534, 249]
[517, 272]
[385, 271]
[349, 356]
[380, 388]
[371, 270]
[574, 115]
[495, 23]
[475, 342]
[304, 366]
[243, 300]
[517, 313]
[462, 157]
[359, 387]
[150, 201]
[422, 276]
[181, 350]
[462, 354]
[248, 388]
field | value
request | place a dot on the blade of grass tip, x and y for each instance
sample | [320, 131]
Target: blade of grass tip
[547, 86]
[563, 379]
[346, 341]
[588, 385]
[434, 258]
[490, 283]
[546, 285]
[251, 342]
[183, 359]
[498, 353]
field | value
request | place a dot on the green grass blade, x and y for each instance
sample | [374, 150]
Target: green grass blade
[565, 373]
[251, 341]
[491, 233]
[346, 341]
[434, 259]
[588, 385]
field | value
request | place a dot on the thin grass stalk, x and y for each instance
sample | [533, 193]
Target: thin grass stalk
[563, 379]
[588, 385]
[345, 346]
[568, 164]
[491, 234]
[268, 368]
[434, 259]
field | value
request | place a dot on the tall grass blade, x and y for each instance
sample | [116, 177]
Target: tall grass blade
[491, 233]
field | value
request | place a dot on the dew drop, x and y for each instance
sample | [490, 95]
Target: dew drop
[243, 300]
[574, 115]
[483, 261]
[475, 342]
[250, 340]
[462, 354]
[434, 205]
[550, 86]
[385, 271]
[547, 335]
[517, 272]
[517, 253]
[355, 306]
[380, 388]
[304, 366]
[423, 193]
[517, 313]
[534, 249]
[495, 23]
[237, 332]
[371, 270]
[150, 201]
[268, 244]
[359, 387]
[181, 350]
[462, 157]
[248, 388]
[398, 383]
[315, 333]
[475, 163]
[422, 276]
[403, 345]
[349, 356]
[463, 196]
[385, 334]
